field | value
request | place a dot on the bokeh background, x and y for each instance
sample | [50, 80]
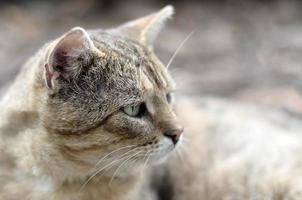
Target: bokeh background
[244, 50]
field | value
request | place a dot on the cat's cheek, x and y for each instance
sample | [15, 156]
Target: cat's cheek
[131, 128]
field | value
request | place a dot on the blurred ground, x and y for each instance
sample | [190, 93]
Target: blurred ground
[243, 50]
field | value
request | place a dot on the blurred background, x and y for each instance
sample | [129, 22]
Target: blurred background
[244, 50]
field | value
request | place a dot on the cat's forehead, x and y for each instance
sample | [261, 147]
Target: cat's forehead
[152, 74]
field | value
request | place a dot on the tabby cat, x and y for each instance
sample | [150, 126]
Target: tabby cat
[91, 116]
[87, 113]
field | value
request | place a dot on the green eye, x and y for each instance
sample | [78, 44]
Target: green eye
[132, 111]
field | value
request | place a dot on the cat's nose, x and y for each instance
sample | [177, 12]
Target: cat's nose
[174, 134]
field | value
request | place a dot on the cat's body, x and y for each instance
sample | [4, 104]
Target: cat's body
[71, 129]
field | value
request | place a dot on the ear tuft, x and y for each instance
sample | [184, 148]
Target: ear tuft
[146, 29]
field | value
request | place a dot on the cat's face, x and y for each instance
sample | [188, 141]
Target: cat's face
[109, 99]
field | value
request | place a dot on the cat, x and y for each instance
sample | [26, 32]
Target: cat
[91, 116]
[87, 113]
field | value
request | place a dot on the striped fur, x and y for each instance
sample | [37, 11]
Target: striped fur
[62, 127]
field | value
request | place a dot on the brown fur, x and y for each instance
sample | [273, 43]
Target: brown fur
[63, 115]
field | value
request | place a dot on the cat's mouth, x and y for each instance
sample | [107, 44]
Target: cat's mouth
[166, 147]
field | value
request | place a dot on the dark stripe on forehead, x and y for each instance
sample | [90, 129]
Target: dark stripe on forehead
[153, 75]
[147, 66]
[132, 50]
[152, 70]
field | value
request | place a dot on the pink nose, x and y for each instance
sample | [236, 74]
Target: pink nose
[174, 134]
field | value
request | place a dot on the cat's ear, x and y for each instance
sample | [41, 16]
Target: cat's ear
[146, 29]
[68, 55]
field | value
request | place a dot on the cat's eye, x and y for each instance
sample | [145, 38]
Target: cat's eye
[169, 97]
[134, 111]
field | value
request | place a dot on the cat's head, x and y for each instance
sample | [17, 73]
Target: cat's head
[107, 97]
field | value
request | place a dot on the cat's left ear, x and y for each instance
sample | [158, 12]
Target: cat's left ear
[68, 56]
[146, 29]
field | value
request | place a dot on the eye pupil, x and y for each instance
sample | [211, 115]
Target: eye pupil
[169, 97]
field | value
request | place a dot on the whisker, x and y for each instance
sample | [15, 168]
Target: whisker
[137, 157]
[112, 152]
[175, 71]
[152, 153]
[146, 162]
[121, 157]
[178, 48]
[124, 162]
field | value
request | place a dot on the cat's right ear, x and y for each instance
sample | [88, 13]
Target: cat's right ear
[68, 56]
[146, 29]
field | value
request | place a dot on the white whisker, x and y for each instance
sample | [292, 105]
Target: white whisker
[124, 162]
[178, 48]
[146, 162]
[121, 157]
[112, 152]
